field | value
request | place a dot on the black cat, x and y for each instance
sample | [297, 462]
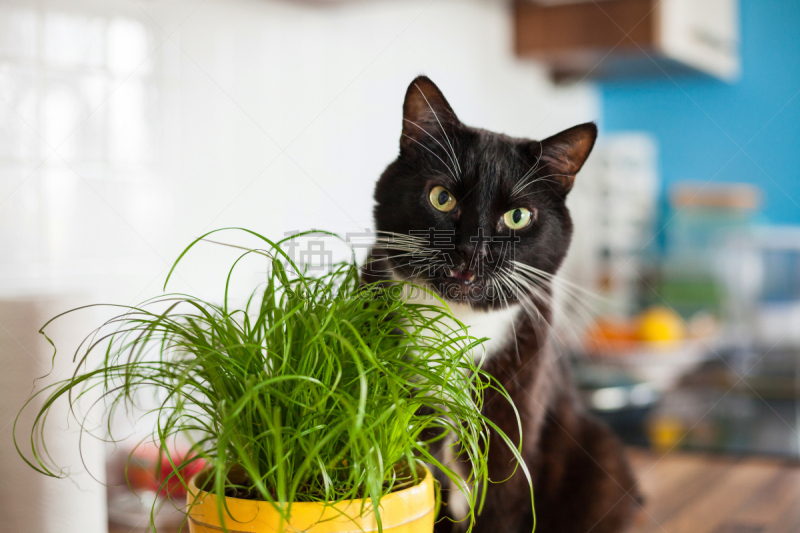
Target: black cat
[480, 217]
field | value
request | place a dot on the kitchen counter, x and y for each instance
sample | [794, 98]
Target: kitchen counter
[700, 493]
[703, 493]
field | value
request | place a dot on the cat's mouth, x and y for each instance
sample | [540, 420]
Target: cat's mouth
[461, 285]
[461, 275]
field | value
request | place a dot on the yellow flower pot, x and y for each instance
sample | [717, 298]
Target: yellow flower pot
[409, 510]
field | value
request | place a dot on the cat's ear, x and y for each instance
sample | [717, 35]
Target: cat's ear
[563, 154]
[426, 113]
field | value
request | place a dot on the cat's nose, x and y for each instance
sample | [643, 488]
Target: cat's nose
[472, 249]
[472, 244]
[472, 252]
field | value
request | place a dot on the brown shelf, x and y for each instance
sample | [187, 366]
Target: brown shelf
[616, 38]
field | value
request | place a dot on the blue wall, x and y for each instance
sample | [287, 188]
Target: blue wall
[698, 121]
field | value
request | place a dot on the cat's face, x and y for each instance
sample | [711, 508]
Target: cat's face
[476, 215]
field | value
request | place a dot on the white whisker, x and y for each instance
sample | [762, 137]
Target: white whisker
[450, 155]
[447, 139]
[452, 172]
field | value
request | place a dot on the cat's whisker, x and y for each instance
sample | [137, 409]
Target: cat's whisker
[558, 279]
[499, 274]
[522, 183]
[381, 242]
[521, 186]
[452, 172]
[412, 256]
[404, 248]
[536, 290]
[433, 267]
[518, 293]
[400, 256]
[421, 261]
[540, 291]
[532, 193]
[537, 319]
[414, 247]
[436, 116]
[397, 240]
[552, 284]
[539, 294]
[450, 155]
[403, 235]
[388, 234]
[582, 311]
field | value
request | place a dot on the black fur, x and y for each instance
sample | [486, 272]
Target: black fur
[582, 480]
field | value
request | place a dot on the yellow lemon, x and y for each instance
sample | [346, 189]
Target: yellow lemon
[659, 324]
[665, 432]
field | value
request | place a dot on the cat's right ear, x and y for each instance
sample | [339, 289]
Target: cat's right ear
[426, 114]
[564, 154]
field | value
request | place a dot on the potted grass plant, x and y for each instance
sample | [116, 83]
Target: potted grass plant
[313, 406]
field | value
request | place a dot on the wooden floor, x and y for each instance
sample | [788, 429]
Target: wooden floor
[694, 493]
[697, 493]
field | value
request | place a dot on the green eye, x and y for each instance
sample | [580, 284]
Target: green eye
[442, 199]
[517, 218]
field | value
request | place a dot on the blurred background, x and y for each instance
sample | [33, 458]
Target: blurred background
[130, 127]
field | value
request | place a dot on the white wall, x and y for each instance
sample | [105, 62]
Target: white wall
[29, 501]
[169, 118]
[130, 127]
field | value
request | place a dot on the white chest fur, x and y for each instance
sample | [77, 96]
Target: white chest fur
[497, 326]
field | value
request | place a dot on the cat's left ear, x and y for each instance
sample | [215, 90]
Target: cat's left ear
[563, 154]
[426, 113]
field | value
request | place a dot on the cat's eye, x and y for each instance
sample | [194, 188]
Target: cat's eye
[517, 218]
[442, 199]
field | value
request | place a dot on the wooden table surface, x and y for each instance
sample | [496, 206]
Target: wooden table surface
[700, 493]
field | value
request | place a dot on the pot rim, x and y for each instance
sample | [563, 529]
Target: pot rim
[397, 508]
[200, 492]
